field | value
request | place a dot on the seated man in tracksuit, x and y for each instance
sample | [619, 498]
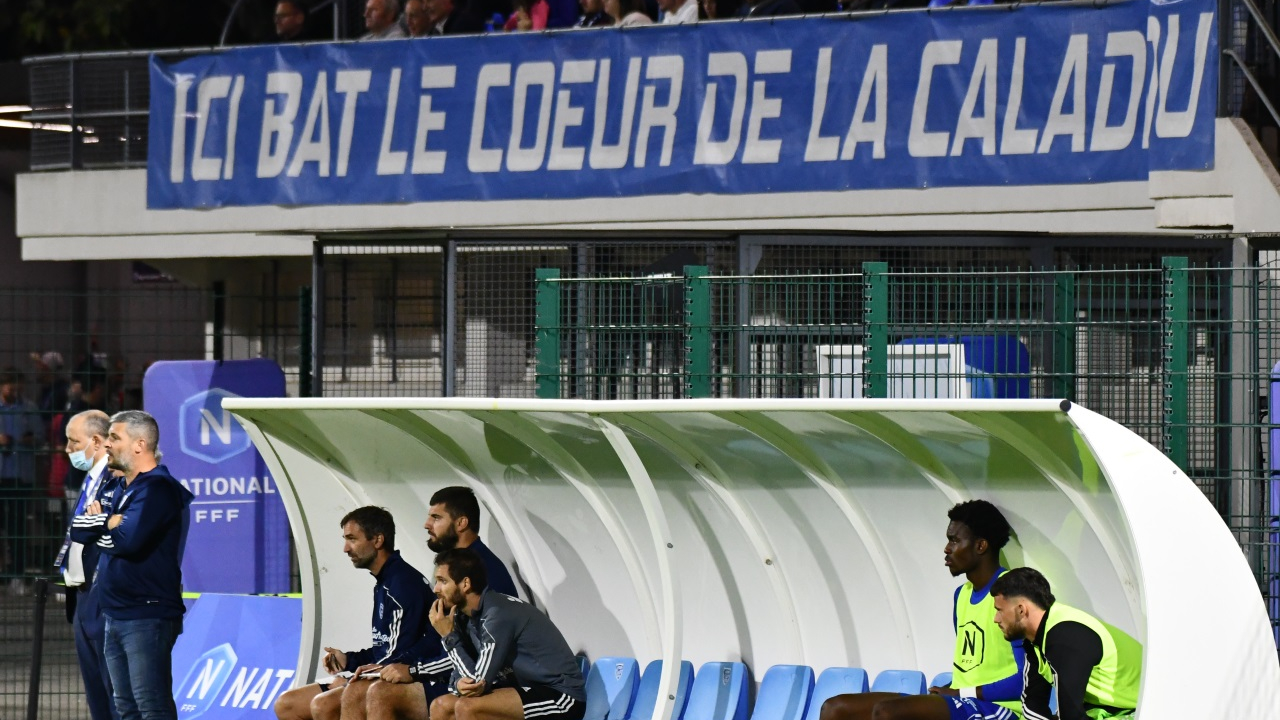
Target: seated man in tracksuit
[404, 690]
[401, 601]
[510, 662]
[1096, 667]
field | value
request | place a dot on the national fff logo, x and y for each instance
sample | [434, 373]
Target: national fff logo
[206, 431]
[208, 674]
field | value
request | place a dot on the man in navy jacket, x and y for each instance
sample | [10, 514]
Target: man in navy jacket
[139, 581]
[402, 630]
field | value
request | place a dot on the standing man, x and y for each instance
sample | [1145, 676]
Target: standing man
[1097, 668]
[987, 681]
[87, 451]
[21, 432]
[510, 662]
[141, 532]
[405, 690]
[401, 626]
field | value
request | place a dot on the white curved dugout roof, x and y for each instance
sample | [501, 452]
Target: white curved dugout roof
[805, 531]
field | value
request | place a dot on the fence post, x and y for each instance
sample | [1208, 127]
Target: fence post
[875, 333]
[1064, 340]
[304, 341]
[547, 333]
[1176, 294]
[697, 331]
[37, 648]
[219, 319]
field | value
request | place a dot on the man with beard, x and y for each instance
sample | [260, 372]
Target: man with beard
[453, 521]
[510, 662]
[406, 689]
[987, 682]
[401, 628]
[1096, 667]
[139, 578]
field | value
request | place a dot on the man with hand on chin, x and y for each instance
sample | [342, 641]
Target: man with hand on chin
[510, 662]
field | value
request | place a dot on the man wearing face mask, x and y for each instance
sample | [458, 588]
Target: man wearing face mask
[86, 449]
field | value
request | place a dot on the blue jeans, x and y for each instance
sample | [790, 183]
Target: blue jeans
[139, 657]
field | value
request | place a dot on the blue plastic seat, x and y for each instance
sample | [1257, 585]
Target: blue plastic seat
[647, 693]
[611, 688]
[719, 692]
[784, 693]
[909, 682]
[835, 681]
[941, 680]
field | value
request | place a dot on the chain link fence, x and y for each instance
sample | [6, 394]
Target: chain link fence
[66, 351]
[1181, 355]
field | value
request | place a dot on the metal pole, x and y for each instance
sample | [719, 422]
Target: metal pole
[875, 333]
[305, 370]
[317, 319]
[219, 319]
[697, 331]
[547, 333]
[37, 648]
[742, 315]
[449, 344]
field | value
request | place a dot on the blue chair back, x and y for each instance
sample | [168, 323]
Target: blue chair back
[784, 693]
[941, 680]
[647, 693]
[835, 681]
[611, 688]
[909, 682]
[719, 692]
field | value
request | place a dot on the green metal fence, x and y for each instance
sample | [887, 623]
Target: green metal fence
[1181, 355]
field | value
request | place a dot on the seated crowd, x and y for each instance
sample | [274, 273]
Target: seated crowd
[388, 19]
[463, 645]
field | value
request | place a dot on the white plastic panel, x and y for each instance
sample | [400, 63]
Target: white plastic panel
[807, 532]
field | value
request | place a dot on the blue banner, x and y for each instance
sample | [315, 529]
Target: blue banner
[235, 656]
[1002, 96]
[239, 536]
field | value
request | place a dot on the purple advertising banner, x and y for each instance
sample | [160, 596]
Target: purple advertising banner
[239, 537]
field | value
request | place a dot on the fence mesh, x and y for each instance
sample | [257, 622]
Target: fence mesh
[1182, 355]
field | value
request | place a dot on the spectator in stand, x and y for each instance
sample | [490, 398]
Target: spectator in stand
[528, 15]
[593, 15]
[21, 433]
[291, 22]
[417, 19]
[446, 18]
[381, 20]
[53, 385]
[676, 12]
[628, 12]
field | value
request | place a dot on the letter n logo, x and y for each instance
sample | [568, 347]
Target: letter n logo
[970, 646]
[207, 432]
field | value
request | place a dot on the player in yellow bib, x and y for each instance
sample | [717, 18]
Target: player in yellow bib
[1097, 668]
[986, 668]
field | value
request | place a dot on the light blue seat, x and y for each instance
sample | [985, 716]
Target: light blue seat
[835, 681]
[719, 692]
[941, 680]
[909, 682]
[647, 693]
[784, 693]
[611, 688]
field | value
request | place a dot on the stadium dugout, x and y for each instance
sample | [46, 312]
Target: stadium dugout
[782, 532]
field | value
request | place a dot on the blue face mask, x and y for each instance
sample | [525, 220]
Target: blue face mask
[80, 462]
